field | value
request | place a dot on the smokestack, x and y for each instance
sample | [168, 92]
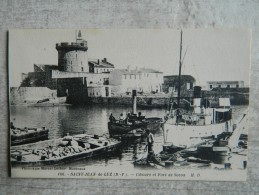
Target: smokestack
[134, 101]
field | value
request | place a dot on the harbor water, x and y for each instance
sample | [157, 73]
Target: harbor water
[61, 120]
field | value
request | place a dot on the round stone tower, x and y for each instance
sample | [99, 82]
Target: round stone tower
[72, 57]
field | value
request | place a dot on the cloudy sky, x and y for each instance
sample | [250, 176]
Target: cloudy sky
[209, 54]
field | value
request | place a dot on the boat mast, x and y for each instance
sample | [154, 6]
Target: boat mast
[179, 80]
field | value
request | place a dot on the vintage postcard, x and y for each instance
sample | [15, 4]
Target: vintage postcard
[157, 104]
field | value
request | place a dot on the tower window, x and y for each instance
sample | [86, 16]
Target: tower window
[82, 69]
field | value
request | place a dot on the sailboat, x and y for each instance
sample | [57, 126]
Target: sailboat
[187, 128]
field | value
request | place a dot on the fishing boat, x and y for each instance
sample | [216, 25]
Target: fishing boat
[133, 127]
[134, 124]
[125, 130]
[62, 150]
[203, 121]
[28, 135]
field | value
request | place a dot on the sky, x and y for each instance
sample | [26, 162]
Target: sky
[209, 54]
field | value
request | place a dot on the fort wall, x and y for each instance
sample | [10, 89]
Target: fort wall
[19, 95]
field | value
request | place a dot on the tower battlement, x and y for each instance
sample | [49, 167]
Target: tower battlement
[72, 56]
[66, 46]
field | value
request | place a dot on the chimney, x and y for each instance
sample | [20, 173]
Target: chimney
[98, 61]
[79, 34]
[104, 59]
[128, 68]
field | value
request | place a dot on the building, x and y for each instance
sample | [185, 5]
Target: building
[72, 57]
[100, 66]
[74, 75]
[40, 77]
[224, 84]
[143, 80]
[171, 84]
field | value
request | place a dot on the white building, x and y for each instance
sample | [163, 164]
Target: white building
[225, 84]
[100, 66]
[99, 91]
[143, 80]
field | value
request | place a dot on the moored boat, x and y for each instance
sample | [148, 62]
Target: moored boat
[62, 150]
[133, 124]
[28, 135]
[202, 121]
[136, 127]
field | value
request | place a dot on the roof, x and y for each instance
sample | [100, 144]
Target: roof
[225, 82]
[137, 71]
[174, 78]
[101, 63]
[149, 70]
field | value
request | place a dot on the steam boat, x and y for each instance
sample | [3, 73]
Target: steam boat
[187, 128]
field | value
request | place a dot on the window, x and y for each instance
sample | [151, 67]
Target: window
[237, 86]
[219, 86]
[82, 69]
[188, 86]
[135, 76]
[130, 76]
[228, 86]
[147, 75]
[210, 86]
[125, 76]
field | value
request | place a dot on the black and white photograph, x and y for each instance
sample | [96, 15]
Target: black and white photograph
[160, 104]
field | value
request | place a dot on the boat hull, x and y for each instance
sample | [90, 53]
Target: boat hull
[183, 135]
[123, 129]
[30, 137]
[100, 150]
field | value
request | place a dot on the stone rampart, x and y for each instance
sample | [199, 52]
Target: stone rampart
[19, 95]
